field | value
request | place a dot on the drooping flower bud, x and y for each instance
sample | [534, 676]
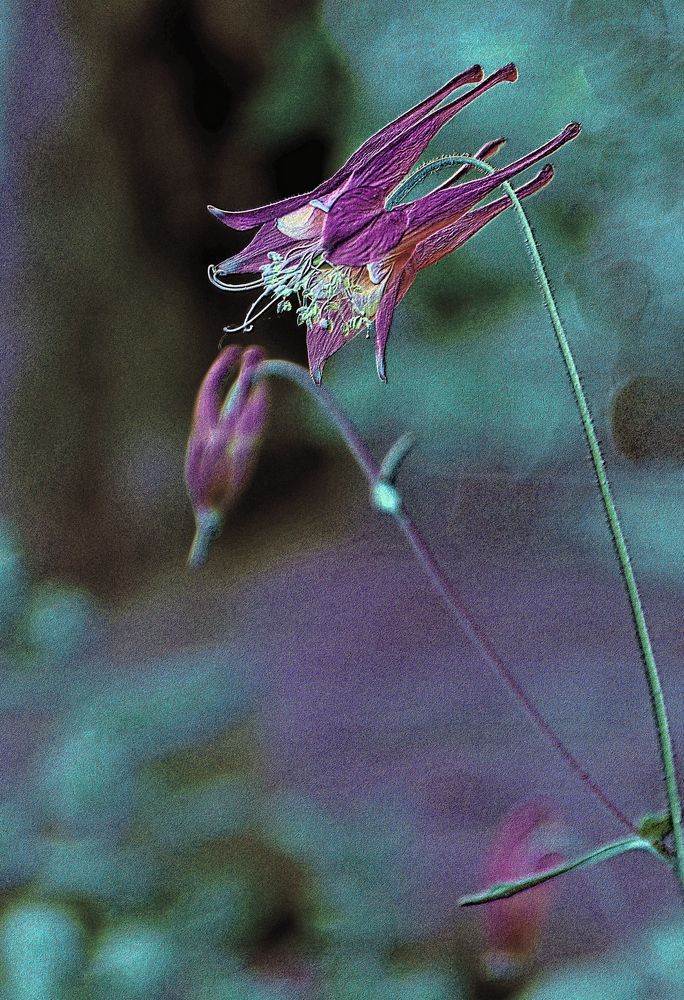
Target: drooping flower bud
[224, 442]
[527, 841]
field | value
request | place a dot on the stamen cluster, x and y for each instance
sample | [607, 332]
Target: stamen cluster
[328, 295]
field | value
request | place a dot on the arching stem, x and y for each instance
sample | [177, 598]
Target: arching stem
[657, 698]
[387, 499]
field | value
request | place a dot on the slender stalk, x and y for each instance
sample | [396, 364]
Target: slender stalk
[504, 890]
[373, 472]
[650, 669]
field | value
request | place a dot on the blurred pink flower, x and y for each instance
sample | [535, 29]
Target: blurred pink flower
[223, 444]
[527, 841]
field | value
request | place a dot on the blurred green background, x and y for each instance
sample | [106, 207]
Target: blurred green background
[149, 848]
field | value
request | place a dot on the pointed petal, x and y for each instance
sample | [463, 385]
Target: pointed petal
[251, 420]
[321, 344]
[237, 398]
[383, 322]
[484, 153]
[440, 208]
[249, 427]
[359, 231]
[254, 256]
[383, 171]
[357, 228]
[391, 132]
[448, 239]
[222, 448]
[267, 213]
[204, 445]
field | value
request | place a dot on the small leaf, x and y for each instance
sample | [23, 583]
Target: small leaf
[654, 827]
[389, 466]
[505, 889]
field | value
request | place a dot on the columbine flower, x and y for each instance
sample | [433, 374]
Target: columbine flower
[344, 255]
[527, 841]
[222, 449]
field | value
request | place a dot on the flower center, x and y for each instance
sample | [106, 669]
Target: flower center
[328, 296]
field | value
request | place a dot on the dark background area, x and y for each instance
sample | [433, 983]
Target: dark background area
[139, 118]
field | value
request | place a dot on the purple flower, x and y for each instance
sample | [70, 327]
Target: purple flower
[223, 443]
[347, 257]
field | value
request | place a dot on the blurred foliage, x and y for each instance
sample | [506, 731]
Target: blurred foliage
[150, 119]
[653, 968]
[143, 857]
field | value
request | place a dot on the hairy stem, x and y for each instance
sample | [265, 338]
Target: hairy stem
[373, 472]
[650, 669]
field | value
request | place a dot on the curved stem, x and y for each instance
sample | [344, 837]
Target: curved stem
[372, 470]
[504, 890]
[650, 669]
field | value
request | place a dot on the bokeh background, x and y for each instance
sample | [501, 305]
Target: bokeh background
[274, 779]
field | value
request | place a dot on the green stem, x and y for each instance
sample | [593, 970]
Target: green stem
[643, 638]
[385, 498]
[503, 890]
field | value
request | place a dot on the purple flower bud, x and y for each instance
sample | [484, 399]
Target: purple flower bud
[224, 441]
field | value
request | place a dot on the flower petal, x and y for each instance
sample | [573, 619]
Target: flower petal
[383, 321]
[223, 442]
[450, 238]
[321, 343]
[400, 125]
[358, 230]
[241, 391]
[254, 257]
[250, 422]
[484, 153]
[208, 404]
[434, 211]
[267, 213]
[432, 250]
[527, 841]
[214, 423]
[386, 168]
[249, 427]
[306, 223]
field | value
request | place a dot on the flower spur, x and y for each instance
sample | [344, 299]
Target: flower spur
[345, 253]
